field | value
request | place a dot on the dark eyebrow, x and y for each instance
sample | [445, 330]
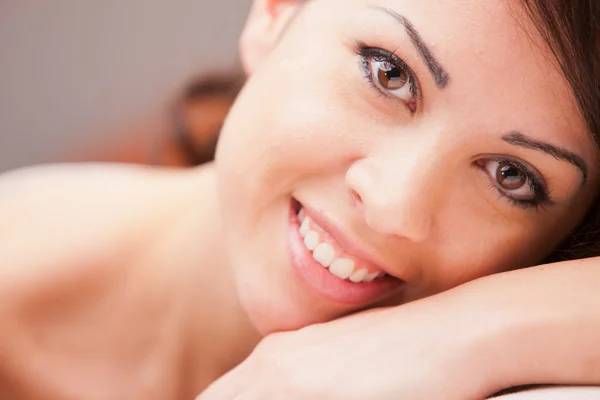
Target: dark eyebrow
[518, 139]
[440, 76]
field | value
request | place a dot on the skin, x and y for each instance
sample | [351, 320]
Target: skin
[130, 289]
[404, 186]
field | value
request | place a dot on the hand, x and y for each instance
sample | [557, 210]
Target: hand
[420, 350]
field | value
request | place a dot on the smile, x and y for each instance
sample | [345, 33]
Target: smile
[330, 264]
[330, 255]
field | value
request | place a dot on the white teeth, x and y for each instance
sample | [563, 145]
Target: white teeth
[304, 228]
[342, 268]
[324, 254]
[358, 276]
[301, 215]
[311, 240]
[371, 277]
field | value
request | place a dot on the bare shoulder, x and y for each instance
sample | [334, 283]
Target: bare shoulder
[76, 217]
[54, 212]
[68, 238]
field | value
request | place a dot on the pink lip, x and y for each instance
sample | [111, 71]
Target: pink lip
[340, 238]
[320, 280]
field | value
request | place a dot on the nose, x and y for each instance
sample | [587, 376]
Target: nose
[396, 193]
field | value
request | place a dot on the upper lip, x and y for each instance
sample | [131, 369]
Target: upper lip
[348, 245]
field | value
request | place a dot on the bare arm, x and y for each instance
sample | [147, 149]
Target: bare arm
[541, 325]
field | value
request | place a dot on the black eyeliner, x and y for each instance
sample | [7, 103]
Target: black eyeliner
[381, 55]
[536, 184]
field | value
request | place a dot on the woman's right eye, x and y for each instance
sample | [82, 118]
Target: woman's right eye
[389, 75]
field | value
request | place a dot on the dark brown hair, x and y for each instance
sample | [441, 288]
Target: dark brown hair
[571, 28]
[224, 87]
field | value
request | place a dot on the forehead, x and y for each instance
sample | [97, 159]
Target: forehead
[499, 64]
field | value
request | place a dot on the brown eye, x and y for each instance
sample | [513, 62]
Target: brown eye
[510, 177]
[393, 79]
[521, 183]
[389, 76]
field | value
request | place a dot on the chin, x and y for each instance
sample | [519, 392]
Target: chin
[268, 319]
[271, 313]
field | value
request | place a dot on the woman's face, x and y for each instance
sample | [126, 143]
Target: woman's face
[434, 142]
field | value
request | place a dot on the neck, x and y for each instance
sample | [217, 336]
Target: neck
[218, 334]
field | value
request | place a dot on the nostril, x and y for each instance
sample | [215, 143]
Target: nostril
[355, 198]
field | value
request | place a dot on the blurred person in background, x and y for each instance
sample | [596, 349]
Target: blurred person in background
[195, 121]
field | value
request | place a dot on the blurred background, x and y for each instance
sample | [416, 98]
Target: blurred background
[97, 80]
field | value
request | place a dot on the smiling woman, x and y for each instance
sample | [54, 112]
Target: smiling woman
[395, 155]
[448, 154]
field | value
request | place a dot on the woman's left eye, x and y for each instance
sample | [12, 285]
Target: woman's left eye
[516, 182]
[388, 74]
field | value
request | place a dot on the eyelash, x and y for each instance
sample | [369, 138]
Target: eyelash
[367, 53]
[537, 185]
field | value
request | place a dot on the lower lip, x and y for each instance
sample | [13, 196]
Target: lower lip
[320, 280]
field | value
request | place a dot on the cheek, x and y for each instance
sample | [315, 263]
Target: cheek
[474, 246]
[468, 249]
[302, 111]
[282, 130]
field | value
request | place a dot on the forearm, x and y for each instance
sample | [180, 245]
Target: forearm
[538, 325]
